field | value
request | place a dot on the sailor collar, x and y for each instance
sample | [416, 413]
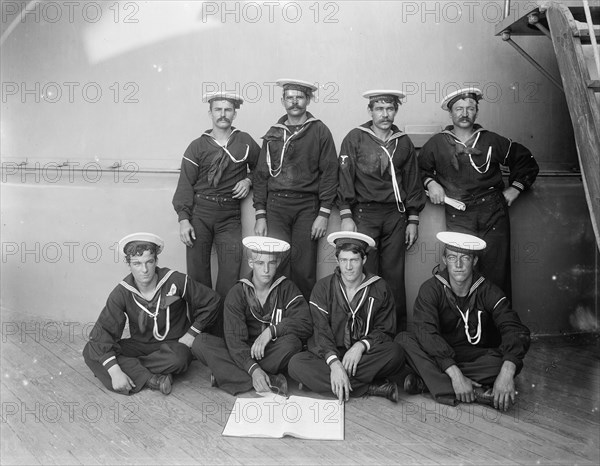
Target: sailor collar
[163, 275]
[281, 122]
[370, 278]
[367, 128]
[275, 284]
[478, 129]
[211, 138]
[445, 280]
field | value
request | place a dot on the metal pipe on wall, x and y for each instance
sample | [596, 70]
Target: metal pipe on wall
[506, 8]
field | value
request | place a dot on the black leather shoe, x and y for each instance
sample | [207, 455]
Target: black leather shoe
[279, 382]
[160, 382]
[413, 384]
[387, 390]
[484, 396]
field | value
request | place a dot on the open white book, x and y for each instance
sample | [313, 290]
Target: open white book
[274, 416]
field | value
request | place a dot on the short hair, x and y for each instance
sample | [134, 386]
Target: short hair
[388, 100]
[355, 248]
[473, 254]
[137, 248]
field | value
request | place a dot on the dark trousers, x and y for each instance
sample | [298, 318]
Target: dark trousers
[212, 352]
[141, 360]
[481, 365]
[387, 226]
[290, 217]
[384, 360]
[218, 223]
[487, 217]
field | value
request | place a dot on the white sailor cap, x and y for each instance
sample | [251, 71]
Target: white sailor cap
[387, 95]
[265, 244]
[232, 97]
[461, 242]
[297, 84]
[467, 92]
[339, 238]
[143, 238]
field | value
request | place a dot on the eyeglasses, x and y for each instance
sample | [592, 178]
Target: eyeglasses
[452, 258]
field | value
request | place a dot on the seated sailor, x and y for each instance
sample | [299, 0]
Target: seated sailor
[468, 343]
[155, 301]
[354, 319]
[266, 318]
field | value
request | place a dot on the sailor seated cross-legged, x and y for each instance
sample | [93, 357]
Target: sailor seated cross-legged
[266, 318]
[468, 344]
[354, 319]
[156, 302]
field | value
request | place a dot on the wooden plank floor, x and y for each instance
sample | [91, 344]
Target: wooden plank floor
[54, 411]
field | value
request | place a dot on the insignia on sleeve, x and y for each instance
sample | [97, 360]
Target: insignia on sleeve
[172, 291]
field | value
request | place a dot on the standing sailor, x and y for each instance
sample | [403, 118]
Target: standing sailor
[463, 163]
[214, 179]
[380, 192]
[296, 182]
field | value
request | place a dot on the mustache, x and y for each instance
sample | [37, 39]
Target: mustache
[224, 119]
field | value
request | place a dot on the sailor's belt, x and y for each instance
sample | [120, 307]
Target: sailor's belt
[219, 199]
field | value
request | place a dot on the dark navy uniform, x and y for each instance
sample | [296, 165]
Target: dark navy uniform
[380, 189]
[296, 180]
[155, 327]
[209, 173]
[476, 333]
[470, 172]
[369, 318]
[285, 310]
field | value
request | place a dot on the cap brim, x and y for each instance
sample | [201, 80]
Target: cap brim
[464, 91]
[265, 244]
[353, 235]
[298, 82]
[462, 242]
[142, 237]
[384, 92]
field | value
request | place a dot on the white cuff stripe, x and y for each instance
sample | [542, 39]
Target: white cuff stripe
[331, 358]
[108, 360]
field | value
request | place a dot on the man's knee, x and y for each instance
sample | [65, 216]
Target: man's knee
[406, 340]
[288, 345]
[180, 356]
[298, 364]
[397, 356]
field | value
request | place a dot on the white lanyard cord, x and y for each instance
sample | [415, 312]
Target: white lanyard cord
[399, 202]
[485, 164]
[465, 317]
[275, 173]
[155, 332]
[488, 159]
